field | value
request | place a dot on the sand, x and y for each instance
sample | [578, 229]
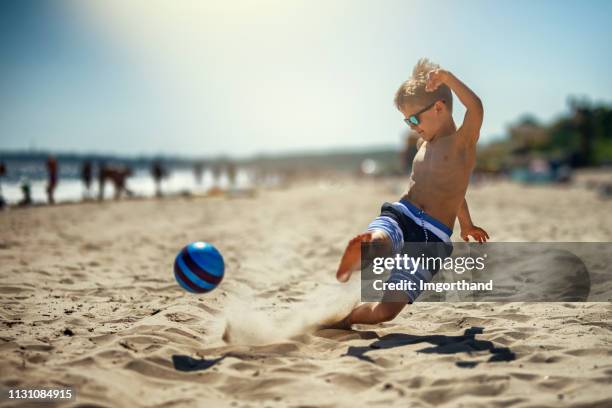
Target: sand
[89, 301]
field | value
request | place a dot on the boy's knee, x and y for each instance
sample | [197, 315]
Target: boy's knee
[380, 236]
[379, 245]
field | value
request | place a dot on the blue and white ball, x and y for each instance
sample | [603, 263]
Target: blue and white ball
[199, 267]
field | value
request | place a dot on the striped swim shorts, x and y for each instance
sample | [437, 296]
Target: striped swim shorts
[403, 222]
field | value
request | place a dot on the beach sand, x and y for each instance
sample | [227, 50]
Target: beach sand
[89, 301]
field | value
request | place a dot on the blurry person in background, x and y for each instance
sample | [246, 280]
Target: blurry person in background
[216, 174]
[216, 170]
[2, 173]
[198, 170]
[231, 174]
[101, 180]
[52, 178]
[26, 190]
[118, 176]
[408, 152]
[158, 172]
[87, 177]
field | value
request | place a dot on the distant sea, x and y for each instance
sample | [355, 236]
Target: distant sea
[267, 170]
[180, 178]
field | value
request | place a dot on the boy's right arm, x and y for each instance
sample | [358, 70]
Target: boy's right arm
[472, 121]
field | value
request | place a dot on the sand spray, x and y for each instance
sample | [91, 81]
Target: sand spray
[247, 323]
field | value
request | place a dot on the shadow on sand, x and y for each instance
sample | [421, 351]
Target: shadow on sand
[186, 363]
[441, 344]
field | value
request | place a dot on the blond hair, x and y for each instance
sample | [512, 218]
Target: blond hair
[413, 90]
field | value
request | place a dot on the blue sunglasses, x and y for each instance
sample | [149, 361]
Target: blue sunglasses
[414, 119]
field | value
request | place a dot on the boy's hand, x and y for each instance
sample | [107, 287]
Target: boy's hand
[475, 232]
[435, 78]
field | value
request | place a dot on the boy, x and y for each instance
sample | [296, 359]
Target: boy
[436, 190]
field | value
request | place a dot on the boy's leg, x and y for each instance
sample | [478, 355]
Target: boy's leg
[374, 312]
[351, 259]
[384, 231]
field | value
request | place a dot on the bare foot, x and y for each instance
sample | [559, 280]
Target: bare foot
[351, 260]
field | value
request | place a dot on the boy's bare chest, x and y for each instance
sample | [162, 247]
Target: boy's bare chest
[443, 160]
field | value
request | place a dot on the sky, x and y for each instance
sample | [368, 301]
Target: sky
[206, 78]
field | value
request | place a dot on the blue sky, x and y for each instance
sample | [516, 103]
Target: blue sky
[206, 78]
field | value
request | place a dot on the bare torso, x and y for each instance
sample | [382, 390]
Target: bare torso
[440, 175]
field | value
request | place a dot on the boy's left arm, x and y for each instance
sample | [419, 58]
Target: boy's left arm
[467, 226]
[472, 121]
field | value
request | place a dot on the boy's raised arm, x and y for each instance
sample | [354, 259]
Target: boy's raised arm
[472, 121]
